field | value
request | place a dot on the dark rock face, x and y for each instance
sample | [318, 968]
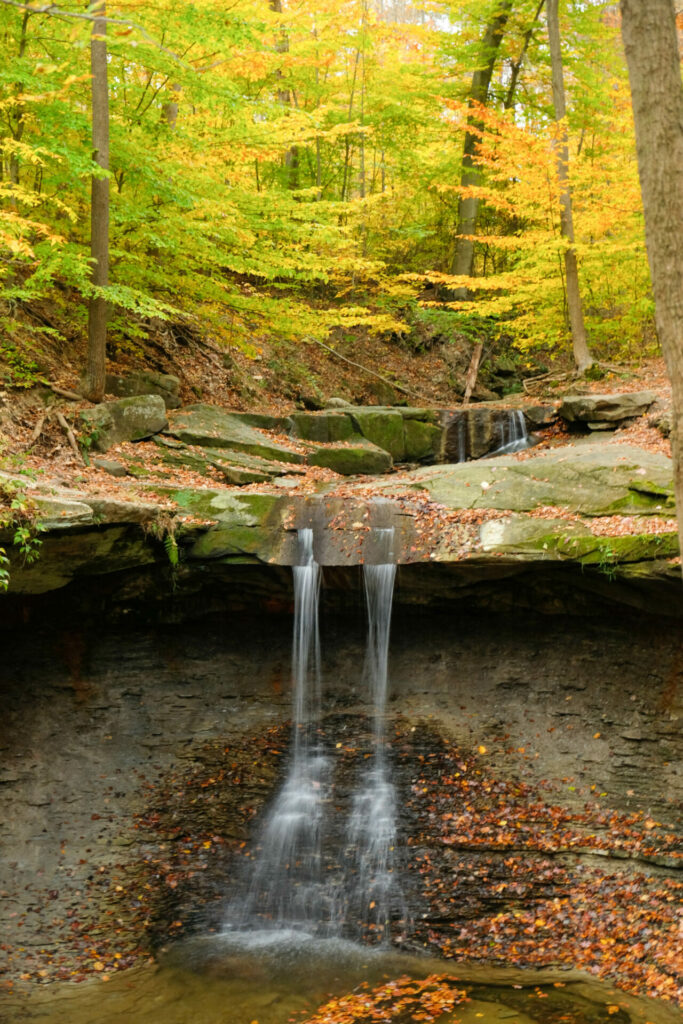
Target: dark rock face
[97, 726]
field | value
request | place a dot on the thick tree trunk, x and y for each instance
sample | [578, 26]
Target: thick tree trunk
[468, 207]
[582, 356]
[651, 44]
[93, 380]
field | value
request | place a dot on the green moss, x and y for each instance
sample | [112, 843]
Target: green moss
[383, 428]
[221, 541]
[325, 426]
[603, 551]
[421, 440]
[352, 461]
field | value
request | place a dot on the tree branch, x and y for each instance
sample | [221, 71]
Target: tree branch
[57, 12]
[365, 369]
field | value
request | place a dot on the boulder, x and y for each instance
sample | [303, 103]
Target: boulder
[352, 459]
[212, 427]
[605, 409]
[337, 403]
[145, 382]
[593, 479]
[382, 427]
[422, 441]
[128, 419]
[110, 466]
[540, 415]
[323, 427]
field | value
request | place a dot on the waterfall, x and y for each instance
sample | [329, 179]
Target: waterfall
[373, 888]
[291, 887]
[287, 890]
[514, 435]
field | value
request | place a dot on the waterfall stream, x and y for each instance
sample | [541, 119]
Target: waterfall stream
[293, 886]
[514, 435]
[287, 889]
[374, 890]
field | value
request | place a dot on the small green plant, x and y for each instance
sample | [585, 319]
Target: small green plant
[20, 372]
[4, 571]
[171, 549]
[87, 437]
[18, 513]
[607, 563]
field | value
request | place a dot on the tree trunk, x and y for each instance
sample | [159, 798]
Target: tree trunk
[582, 356]
[93, 381]
[651, 44]
[468, 207]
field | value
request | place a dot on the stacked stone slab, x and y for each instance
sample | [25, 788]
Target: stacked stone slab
[605, 412]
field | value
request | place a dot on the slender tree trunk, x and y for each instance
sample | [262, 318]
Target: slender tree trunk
[93, 380]
[17, 128]
[582, 356]
[651, 44]
[468, 207]
[291, 157]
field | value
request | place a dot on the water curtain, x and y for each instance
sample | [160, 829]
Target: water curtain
[374, 890]
[287, 890]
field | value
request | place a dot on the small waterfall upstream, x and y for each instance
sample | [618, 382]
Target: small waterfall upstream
[514, 435]
[294, 885]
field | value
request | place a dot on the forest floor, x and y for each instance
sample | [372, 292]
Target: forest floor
[279, 377]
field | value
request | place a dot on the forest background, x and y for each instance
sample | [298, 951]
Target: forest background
[284, 172]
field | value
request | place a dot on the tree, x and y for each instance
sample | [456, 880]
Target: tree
[582, 356]
[651, 45]
[93, 381]
[471, 173]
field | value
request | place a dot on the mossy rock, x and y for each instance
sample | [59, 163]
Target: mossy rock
[145, 382]
[422, 441]
[595, 479]
[359, 458]
[323, 427]
[383, 428]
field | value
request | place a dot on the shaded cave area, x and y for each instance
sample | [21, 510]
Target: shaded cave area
[535, 746]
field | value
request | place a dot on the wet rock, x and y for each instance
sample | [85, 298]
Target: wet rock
[145, 382]
[474, 432]
[128, 419]
[605, 409]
